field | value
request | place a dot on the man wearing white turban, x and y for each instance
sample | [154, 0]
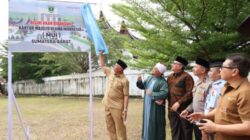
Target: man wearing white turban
[161, 68]
[156, 88]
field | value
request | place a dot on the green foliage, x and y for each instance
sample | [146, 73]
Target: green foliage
[116, 44]
[39, 65]
[63, 63]
[25, 65]
[3, 59]
[193, 28]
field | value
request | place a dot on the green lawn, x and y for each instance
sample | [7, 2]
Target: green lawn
[65, 118]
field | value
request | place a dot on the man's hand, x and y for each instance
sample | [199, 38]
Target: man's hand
[159, 102]
[101, 59]
[208, 127]
[184, 114]
[139, 77]
[195, 116]
[175, 106]
[101, 52]
[148, 92]
[124, 115]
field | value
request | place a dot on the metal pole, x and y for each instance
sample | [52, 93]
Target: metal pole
[26, 133]
[11, 98]
[90, 97]
[9, 95]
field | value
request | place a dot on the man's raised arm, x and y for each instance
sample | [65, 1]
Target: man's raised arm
[102, 64]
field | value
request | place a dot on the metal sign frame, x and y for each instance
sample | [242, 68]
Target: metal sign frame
[93, 33]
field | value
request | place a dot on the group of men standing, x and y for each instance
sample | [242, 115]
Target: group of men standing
[188, 101]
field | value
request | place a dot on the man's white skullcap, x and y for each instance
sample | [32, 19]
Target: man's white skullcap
[160, 67]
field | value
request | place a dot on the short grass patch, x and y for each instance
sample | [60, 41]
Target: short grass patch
[66, 118]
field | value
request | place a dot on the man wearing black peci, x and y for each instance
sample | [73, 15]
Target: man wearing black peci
[179, 97]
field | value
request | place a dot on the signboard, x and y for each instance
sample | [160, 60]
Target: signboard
[50, 26]
[46, 26]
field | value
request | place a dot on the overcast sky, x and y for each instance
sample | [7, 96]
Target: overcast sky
[100, 4]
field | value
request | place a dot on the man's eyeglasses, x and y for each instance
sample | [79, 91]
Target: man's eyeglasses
[175, 63]
[227, 67]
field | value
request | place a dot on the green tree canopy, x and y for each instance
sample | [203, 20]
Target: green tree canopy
[116, 43]
[53, 64]
[3, 59]
[25, 65]
[191, 28]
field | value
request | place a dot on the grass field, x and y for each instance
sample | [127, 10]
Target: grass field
[65, 118]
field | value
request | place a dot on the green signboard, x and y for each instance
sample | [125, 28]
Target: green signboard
[46, 26]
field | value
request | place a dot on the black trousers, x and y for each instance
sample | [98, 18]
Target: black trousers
[197, 132]
[2, 89]
[181, 129]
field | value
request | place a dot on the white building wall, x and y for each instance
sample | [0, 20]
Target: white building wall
[78, 84]
[75, 84]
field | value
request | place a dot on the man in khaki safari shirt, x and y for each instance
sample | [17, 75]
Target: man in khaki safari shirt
[232, 116]
[115, 99]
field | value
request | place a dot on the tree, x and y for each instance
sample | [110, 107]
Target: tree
[193, 28]
[3, 59]
[39, 65]
[25, 65]
[53, 64]
[116, 44]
